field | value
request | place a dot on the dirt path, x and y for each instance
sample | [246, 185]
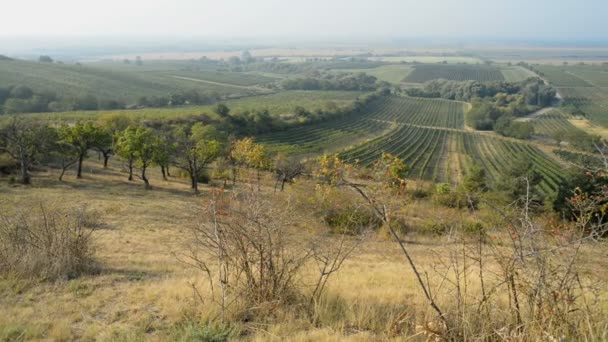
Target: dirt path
[222, 84]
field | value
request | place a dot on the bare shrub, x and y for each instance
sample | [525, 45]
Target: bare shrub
[36, 242]
[254, 253]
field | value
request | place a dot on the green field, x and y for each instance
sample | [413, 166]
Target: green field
[78, 80]
[277, 104]
[427, 59]
[460, 72]
[516, 73]
[560, 76]
[596, 75]
[393, 73]
[592, 101]
[552, 123]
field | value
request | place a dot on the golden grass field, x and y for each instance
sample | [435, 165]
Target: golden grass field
[142, 292]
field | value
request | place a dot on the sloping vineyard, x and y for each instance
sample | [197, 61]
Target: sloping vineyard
[426, 133]
[592, 101]
[317, 138]
[552, 124]
[455, 72]
[416, 111]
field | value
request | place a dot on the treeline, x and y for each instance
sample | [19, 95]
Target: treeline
[189, 144]
[494, 105]
[22, 99]
[333, 81]
[534, 90]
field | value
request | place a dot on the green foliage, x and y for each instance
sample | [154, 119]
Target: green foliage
[351, 220]
[508, 127]
[583, 190]
[475, 180]
[520, 182]
[203, 332]
[333, 81]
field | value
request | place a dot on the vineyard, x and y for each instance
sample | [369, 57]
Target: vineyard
[426, 133]
[592, 101]
[458, 72]
[78, 80]
[553, 123]
[560, 77]
[323, 137]
[418, 111]
[231, 78]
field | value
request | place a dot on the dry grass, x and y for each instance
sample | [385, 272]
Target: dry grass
[144, 292]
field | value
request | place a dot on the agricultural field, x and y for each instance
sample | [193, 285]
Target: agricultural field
[376, 118]
[324, 137]
[461, 72]
[231, 78]
[559, 76]
[426, 133]
[284, 102]
[392, 73]
[552, 123]
[78, 80]
[427, 59]
[592, 101]
[516, 73]
[276, 104]
[418, 111]
[596, 75]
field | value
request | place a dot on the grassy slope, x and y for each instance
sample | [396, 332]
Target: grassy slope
[143, 292]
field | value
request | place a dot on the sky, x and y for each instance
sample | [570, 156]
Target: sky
[515, 19]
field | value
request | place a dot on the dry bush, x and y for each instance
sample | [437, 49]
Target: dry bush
[254, 254]
[39, 243]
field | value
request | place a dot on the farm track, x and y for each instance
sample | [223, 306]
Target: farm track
[223, 84]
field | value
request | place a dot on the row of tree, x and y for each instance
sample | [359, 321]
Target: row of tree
[23, 99]
[334, 81]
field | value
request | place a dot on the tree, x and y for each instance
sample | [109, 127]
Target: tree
[287, 170]
[83, 136]
[222, 110]
[65, 155]
[520, 181]
[45, 59]
[145, 145]
[195, 148]
[24, 140]
[125, 145]
[392, 170]
[246, 153]
[110, 124]
[475, 180]
[162, 154]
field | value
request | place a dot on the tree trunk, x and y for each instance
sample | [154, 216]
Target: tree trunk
[194, 183]
[234, 172]
[162, 170]
[258, 178]
[106, 157]
[25, 176]
[168, 173]
[62, 173]
[80, 160]
[130, 169]
[283, 184]
[143, 176]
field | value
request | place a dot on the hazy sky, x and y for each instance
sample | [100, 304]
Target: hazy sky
[555, 19]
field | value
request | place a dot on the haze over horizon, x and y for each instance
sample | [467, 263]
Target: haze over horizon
[314, 19]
